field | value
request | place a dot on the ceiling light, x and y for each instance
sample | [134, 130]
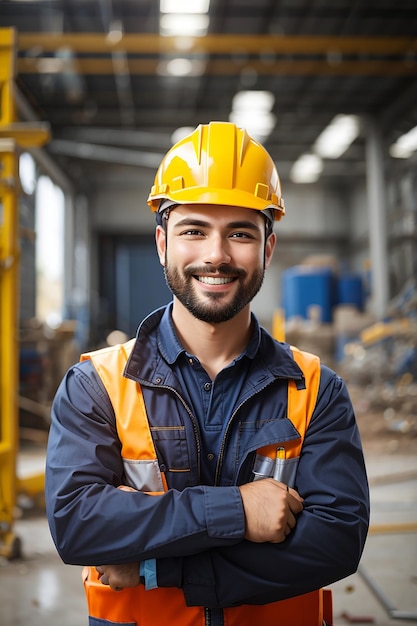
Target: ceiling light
[252, 110]
[181, 67]
[184, 6]
[306, 169]
[259, 126]
[405, 145]
[115, 34]
[337, 137]
[50, 65]
[253, 100]
[192, 25]
[181, 133]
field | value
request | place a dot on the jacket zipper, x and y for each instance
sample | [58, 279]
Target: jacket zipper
[213, 617]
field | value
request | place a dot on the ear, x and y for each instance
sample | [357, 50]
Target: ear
[161, 243]
[269, 248]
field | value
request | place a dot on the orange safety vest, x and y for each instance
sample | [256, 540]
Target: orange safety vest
[162, 606]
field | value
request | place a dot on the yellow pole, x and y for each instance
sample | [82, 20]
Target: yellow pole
[9, 256]
[278, 325]
[12, 135]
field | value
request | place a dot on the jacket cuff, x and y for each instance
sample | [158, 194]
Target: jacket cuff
[147, 572]
[225, 517]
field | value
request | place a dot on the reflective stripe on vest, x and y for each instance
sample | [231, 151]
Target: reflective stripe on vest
[162, 606]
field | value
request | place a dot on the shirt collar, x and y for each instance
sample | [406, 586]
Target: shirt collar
[170, 346]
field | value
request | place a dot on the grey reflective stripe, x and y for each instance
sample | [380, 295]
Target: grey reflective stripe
[143, 475]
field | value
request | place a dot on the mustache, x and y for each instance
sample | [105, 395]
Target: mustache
[207, 270]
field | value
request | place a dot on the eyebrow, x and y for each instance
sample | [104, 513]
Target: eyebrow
[190, 221]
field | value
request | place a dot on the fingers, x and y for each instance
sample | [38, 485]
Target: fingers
[293, 492]
[102, 576]
[270, 510]
[118, 577]
[295, 501]
[104, 579]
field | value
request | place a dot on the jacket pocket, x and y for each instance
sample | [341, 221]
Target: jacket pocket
[281, 469]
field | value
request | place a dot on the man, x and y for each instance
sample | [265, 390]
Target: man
[206, 473]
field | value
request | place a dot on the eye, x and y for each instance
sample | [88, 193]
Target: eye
[192, 232]
[242, 235]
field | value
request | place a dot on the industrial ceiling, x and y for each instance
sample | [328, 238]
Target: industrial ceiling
[100, 73]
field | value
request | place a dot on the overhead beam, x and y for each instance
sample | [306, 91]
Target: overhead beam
[144, 43]
[228, 67]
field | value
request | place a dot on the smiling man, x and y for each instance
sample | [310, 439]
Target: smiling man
[228, 252]
[203, 472]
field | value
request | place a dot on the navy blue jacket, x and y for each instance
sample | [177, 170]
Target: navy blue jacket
[196, 532]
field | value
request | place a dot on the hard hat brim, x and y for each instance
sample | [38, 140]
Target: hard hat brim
[219, 197]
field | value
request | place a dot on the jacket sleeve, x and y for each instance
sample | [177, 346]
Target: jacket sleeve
[326, 544]
[91, 521]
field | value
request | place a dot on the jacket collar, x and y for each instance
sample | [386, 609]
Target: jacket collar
[157, 347]
[171, 348]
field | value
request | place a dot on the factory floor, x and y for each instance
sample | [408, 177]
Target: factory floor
[40, 590]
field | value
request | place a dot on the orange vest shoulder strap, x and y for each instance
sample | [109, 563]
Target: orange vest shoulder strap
[301, 402]
[129, 408]
[300, 405]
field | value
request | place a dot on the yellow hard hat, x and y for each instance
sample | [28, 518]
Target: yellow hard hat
[218, 163]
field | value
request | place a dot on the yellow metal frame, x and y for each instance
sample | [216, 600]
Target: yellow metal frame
[13, 135]
[377, 55]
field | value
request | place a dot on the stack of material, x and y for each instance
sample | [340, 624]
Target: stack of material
[313, 336]
[349, 323]
[45, 355]
[384, 361]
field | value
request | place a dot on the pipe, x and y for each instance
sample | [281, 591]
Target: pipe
[392, 611]
[376, 193]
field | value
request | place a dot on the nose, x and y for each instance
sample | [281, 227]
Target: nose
[217, 250]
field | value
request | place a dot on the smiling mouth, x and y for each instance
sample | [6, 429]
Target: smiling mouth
[215, 280]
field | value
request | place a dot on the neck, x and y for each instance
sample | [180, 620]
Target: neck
[215, 345]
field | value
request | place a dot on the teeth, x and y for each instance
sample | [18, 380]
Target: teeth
[211, 280]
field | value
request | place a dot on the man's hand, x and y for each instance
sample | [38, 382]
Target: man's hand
[270, 510]
[119, 576]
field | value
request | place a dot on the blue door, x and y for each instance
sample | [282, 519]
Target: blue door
[132, 282]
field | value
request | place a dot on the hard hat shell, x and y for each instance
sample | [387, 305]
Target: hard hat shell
[218, 163]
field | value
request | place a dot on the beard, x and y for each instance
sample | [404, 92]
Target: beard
[211, 308]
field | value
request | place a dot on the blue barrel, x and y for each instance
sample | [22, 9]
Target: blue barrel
[305, 286]
[350, 290]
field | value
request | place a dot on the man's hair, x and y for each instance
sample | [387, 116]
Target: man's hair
[268, 228]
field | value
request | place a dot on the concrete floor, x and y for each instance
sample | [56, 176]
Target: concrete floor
[41, 591]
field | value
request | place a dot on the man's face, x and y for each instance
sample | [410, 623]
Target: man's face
[214, 258]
